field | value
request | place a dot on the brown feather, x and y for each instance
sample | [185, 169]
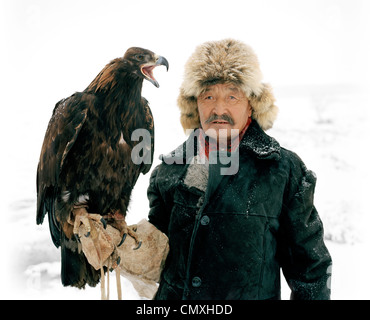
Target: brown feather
[86, 154]
[105, 80]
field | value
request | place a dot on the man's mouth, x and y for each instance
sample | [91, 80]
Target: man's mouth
[220, 122]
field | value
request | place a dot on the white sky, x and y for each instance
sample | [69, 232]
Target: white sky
[297, 41]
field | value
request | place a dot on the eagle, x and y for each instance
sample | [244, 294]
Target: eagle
[86, 169]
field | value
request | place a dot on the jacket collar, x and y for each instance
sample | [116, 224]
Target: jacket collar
[260, 144]
[255, 141]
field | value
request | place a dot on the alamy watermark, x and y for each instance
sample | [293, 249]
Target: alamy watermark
[212, 147]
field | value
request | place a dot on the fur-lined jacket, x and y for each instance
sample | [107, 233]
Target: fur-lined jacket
[230, 234]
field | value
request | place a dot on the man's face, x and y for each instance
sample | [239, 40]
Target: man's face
[223, 106]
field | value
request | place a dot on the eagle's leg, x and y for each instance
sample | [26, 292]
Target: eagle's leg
[117, 220]
[81, 216]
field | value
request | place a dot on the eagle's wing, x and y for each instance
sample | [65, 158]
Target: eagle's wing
[65, 124]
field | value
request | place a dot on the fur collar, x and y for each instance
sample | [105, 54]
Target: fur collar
[197, 174]
[259, 143]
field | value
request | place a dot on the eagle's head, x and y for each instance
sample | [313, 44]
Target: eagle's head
[143, 62]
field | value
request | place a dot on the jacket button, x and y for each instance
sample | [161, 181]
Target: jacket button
[196, 282]
[204, 221]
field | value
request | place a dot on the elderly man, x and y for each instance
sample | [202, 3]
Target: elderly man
[230, 232]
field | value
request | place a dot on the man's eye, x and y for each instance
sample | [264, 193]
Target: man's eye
[208, 98]
[232, 98]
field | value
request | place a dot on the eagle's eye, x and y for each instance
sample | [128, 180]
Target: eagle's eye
[139, 57]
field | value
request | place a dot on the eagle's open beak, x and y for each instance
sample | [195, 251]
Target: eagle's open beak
[147, 69]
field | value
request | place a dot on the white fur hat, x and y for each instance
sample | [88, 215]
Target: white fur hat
[225, 61]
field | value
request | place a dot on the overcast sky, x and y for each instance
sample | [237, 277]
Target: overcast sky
[297, 41]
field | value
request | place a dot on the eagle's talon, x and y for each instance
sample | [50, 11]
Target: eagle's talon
[77, 237]
[138, 246]
[123, 239]
[102, 220]
[81, 217]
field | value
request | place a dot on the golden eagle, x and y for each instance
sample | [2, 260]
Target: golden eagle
[85, 164]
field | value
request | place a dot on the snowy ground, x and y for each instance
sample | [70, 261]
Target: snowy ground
[323, 116]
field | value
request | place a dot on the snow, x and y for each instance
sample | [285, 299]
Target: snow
[313, 52]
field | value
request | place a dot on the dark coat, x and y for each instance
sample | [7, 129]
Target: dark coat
[230, 241]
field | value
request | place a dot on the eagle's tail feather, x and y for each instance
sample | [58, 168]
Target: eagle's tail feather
[76, 271]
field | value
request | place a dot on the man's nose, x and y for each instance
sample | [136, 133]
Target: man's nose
[219, 107]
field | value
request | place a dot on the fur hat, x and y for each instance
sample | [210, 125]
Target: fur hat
[225, 61]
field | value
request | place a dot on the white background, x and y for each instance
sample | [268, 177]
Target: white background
[315, 53]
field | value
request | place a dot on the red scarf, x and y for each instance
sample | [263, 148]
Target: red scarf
[207, 145]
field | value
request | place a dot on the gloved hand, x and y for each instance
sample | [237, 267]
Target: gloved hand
[142, 266]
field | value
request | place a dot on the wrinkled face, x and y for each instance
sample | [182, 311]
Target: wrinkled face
[223, 106]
